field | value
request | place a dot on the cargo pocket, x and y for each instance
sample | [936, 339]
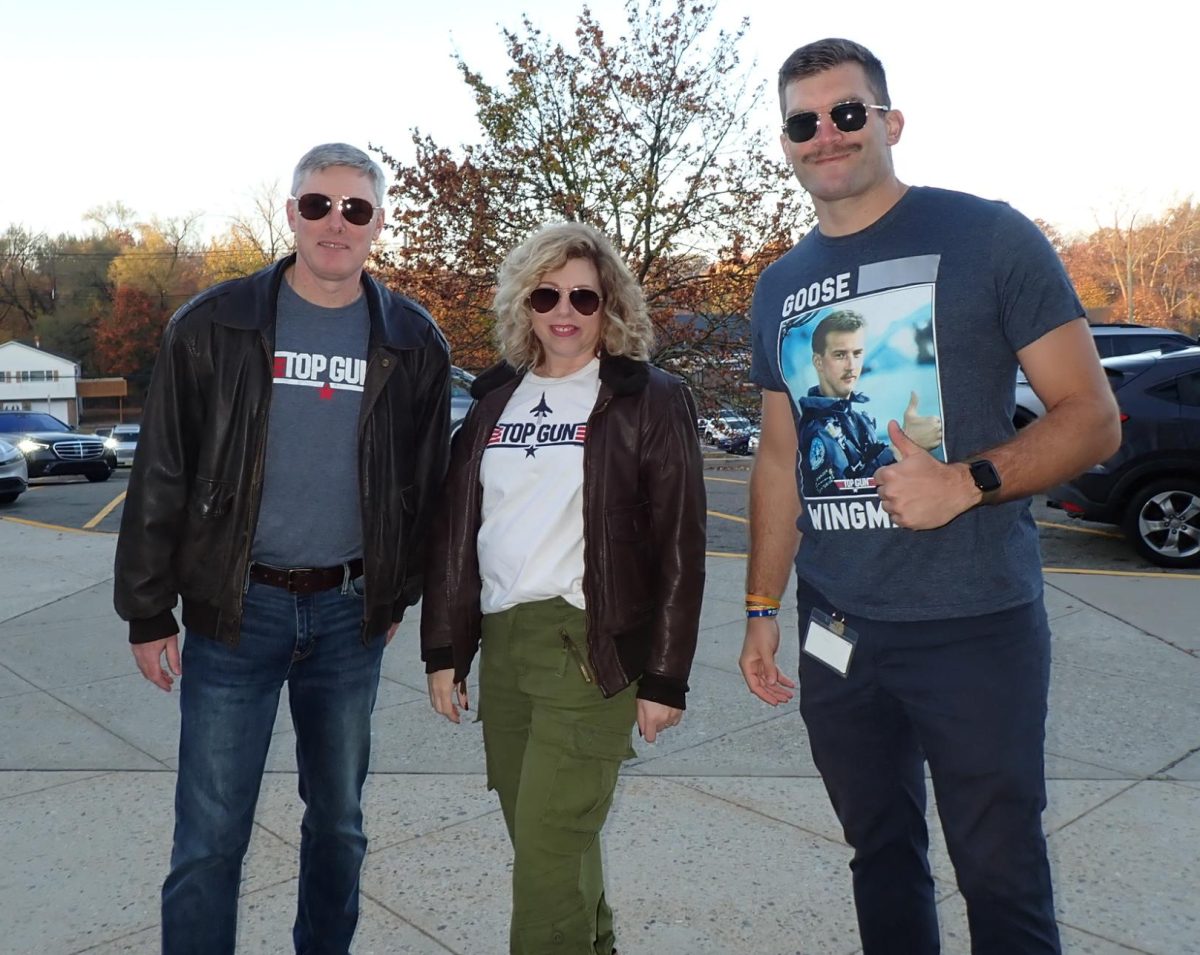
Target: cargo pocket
[586, 777]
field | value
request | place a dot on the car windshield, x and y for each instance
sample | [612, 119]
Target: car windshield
[12, 422]
[734, 421]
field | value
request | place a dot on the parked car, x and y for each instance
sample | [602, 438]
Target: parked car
[729, 431]
[14, 473]
[122, 441]
[1112, 341]
[1151, 486]
[53, 447]
[460, 396]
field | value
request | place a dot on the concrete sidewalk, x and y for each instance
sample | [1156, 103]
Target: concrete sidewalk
[721, 839]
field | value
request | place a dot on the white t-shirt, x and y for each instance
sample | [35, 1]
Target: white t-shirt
[531, 540]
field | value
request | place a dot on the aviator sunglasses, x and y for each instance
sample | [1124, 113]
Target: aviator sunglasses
[584, 300]
[314, 206]
[847, 117]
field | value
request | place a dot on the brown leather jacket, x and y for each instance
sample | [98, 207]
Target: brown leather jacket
[643, 533]
[193, 497]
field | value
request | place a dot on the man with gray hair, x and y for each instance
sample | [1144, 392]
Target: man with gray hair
[294, 437]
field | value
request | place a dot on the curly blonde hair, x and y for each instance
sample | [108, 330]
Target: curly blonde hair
[625, 327]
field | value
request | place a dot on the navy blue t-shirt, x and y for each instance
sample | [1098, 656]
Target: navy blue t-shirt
[936, 298]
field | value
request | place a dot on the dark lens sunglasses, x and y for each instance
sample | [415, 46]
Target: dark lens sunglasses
[847, 117]
[584, 300]
[314, 206]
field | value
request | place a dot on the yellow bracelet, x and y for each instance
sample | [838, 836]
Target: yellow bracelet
[758, 600]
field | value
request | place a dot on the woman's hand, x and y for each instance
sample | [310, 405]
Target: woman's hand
[442, 693]
[653, 718]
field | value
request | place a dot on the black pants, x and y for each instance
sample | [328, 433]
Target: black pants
[968, 695]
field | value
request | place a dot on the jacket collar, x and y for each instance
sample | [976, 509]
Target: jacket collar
[625, 376]
[251, 303]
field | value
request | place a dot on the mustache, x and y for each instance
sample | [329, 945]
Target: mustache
[849, 150]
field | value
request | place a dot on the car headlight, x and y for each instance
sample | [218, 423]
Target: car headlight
[28, 445]
[111, 443]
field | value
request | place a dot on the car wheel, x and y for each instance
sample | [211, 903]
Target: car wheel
[96, 476]
[9, 498]
[1163, 522]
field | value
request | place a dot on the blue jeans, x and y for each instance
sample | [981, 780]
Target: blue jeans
[968, 696]
[228, 700]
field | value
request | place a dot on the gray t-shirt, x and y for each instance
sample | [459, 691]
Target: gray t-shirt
[945, 289]
[309, 515]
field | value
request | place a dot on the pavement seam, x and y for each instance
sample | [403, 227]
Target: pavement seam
[51, 603]
[415, 927]
[1194, 654]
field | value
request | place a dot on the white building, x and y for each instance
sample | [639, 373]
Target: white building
[35, 380]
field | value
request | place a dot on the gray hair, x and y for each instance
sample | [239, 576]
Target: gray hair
[339, 154]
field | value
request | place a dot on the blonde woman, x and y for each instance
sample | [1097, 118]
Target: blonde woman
[569, 552]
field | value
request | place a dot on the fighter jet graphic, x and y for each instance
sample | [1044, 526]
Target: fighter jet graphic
[541, 409]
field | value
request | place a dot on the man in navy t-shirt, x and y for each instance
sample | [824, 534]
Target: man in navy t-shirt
[922, 627]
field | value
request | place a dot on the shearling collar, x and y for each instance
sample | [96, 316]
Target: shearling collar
[625, 376]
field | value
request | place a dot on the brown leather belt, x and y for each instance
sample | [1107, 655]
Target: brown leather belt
[305, 580]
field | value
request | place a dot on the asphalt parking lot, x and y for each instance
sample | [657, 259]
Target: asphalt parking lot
[1067, 545]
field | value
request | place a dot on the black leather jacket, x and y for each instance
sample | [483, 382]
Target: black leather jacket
[643, 533]
[192, 504]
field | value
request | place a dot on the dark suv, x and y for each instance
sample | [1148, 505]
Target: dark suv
[52, 447]
[1151, 486]
[1112, 341]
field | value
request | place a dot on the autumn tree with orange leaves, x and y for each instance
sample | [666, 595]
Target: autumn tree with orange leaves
[647, 136]
[1140, 268]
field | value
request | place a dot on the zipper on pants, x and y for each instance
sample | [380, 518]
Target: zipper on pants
[569, 646]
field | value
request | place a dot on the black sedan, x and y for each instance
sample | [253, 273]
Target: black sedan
[1151, 486]
[52, 447]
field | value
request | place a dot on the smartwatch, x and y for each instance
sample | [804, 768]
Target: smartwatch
[986, 478]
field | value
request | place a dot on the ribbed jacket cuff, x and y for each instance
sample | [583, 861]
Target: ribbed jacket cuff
[149, 629]
[659, 689]
[438, 658]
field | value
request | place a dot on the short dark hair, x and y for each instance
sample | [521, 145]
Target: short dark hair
[822, 55]
[843, 320]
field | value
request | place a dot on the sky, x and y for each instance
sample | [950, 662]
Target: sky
[1073, 112]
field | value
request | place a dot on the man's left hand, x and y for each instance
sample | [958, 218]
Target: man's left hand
[919, 491]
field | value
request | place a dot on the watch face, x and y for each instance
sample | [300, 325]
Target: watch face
[985, 476]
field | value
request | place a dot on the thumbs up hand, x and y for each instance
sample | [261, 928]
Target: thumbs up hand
[919, 491]
[925, 430]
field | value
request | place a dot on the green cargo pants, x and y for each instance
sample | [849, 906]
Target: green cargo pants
[554, 745]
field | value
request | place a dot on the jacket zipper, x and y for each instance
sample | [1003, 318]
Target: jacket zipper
[256, 475]
[569, 646]
[589, 592]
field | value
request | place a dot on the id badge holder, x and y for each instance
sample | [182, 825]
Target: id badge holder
[829, 641]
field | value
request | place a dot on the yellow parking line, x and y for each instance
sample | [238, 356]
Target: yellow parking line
[1045, 570]
[709, 477]
[51, 527]
[729, 517]
[1121, 573]
[104, 511]
[1080, 530]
